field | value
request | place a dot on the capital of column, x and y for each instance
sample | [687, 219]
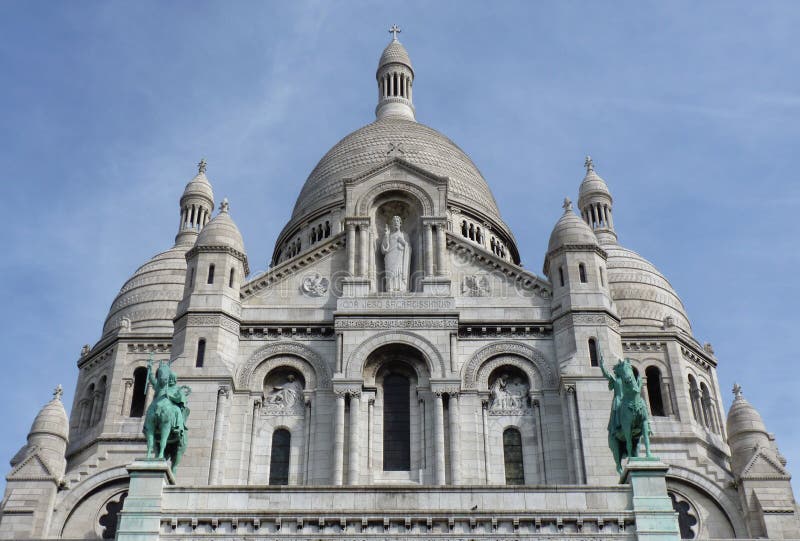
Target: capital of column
[224, 390]
[355, 221]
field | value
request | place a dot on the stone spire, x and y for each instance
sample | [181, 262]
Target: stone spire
[197, 202]
[595, 204]
[395, 78]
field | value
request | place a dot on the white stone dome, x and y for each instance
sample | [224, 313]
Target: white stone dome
[395, 53]
[200, 186]
[422, 146]
[52, 419]
[149, 299]
[221, 231]
[643, 296]
[571, 230]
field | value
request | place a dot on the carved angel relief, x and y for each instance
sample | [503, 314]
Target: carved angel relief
[315, 285]
[475, 285]
[509, 395]
[283, 395]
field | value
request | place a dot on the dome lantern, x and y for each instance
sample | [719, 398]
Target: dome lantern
[595, 202]
[196, 204]
[395, 80]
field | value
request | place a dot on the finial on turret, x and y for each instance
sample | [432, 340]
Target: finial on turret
[57, 392]
[201, 167]
[224, 206]
[737, 390]
[588, 164]
[394, 30]
[567, 206]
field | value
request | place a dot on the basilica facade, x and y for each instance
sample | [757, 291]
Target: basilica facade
[397, 374]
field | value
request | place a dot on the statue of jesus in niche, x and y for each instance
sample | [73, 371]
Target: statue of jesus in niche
[396, 256]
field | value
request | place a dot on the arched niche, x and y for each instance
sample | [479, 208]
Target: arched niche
[509, 388]
[409, 209]
[475, 374]
[315, 370]
[283, 388]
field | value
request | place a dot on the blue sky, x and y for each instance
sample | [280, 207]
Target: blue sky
[691, 111]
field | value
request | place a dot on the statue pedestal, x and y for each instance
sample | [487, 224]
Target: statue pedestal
[436, 285]
[652, 507]
[356, 287]
[140, 518]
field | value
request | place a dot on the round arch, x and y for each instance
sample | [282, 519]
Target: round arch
[365, 201]
[73, 499]
[299, 356]
[354, 366]
[475, 374]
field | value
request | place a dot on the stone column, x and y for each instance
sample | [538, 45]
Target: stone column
[441, 250]
[355, 438]
[126, 398]
[140, 518]
[537, 410]
[455, 440]
[253, 432]
[351, 249]
[338, 440]
[577, 451]
[485, 434]
[428, 250]
[364, 266]
[666, 398]
[307, 458]
[214, 470]
[438, 437]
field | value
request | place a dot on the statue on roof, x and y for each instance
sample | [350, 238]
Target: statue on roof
[396, 251]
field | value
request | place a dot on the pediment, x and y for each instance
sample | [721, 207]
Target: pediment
[763, 465]
[286, 281]
[32, 468]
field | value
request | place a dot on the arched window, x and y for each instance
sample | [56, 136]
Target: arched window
[582, 273]
[210, 274]
[654, 391]
[561, 276]
[87, 406]
[464, 230]
[478, 235]
[201, 353]
[279, 459]
[694, 396]
[396, 423]
[593, 358]
[230, 278]
[512, 456]
[139, 397]
[327, 229]
[708, 408]
[471, 232]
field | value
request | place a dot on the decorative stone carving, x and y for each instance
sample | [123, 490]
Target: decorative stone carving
[284, 397]
[85, 350]
[318, 378]
[397, 323]
[315, 285]
[528, 359]
[509, 394]
[396, 250]
[475, 285]
[124, 324]
[217, 320]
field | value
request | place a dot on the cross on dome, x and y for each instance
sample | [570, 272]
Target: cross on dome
[224, 206]
[201, 167]
[394, 30]
[588, 164]
[737, 390]
[567, 206]
[57, 392]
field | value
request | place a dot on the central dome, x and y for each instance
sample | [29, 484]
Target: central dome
[416, 143]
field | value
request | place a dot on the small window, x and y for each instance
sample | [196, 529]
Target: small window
[201, 353]
[582, 273]
[602, 278]
[512, 456]
[230, 278]
[561, 276]
[210, 274]
[279, 457]
[139, 393]
[191, 278]
[654, 391]
[593, 352]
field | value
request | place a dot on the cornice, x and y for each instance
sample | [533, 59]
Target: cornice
[221, 249]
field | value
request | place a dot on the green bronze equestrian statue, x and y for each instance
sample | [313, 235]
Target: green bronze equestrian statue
[167, 414]
[629, 420]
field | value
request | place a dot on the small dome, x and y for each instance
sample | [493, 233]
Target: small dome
[743, 417]
[149, 299]
[570, 230]
[592, 184]
[643, 296]
[52, 419]
[395, 53]
[199, 186]
[221, 231]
